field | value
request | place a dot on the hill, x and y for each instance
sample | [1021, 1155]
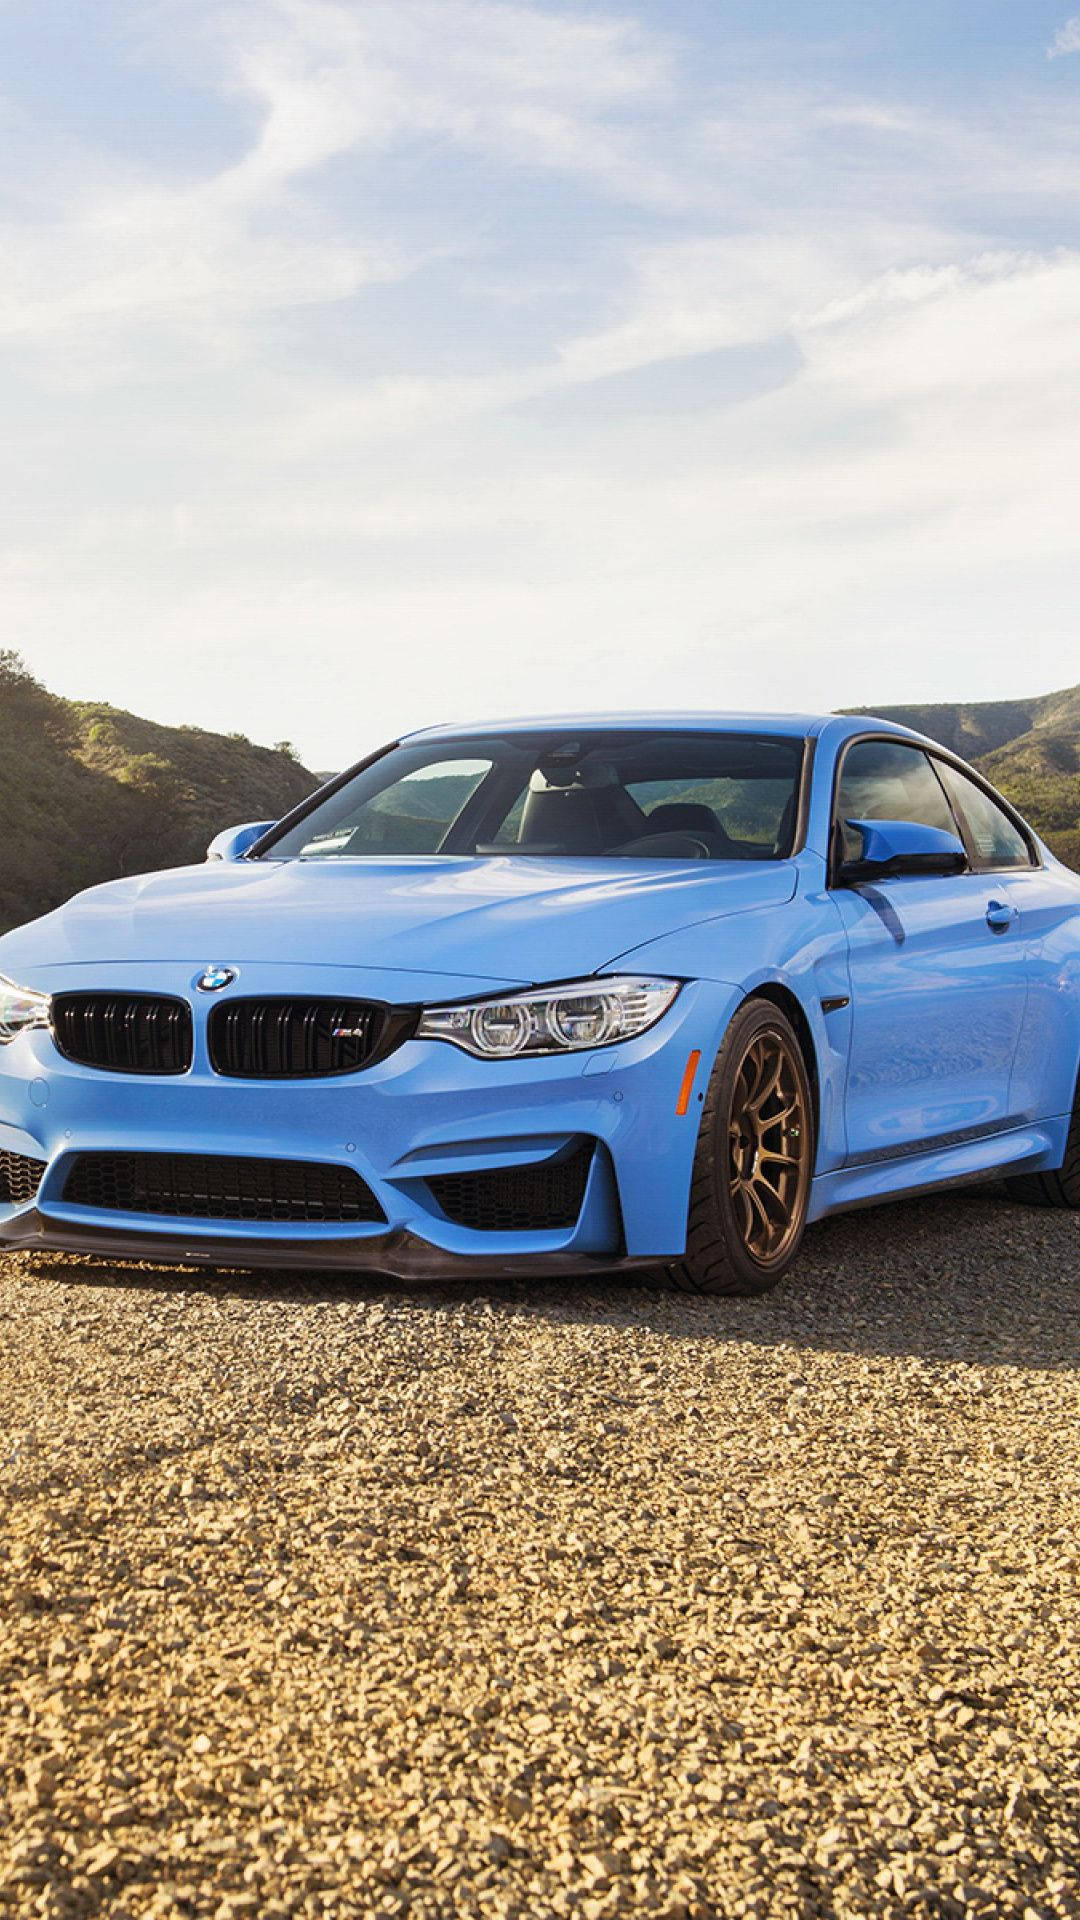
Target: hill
[1029, 749]
[88, 791]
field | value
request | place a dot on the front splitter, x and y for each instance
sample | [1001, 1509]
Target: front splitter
[400, 1254]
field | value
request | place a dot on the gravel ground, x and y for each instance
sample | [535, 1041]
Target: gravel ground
[329, 1598]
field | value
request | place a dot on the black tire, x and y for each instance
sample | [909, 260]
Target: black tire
[1058, 1189]
[718, 1258]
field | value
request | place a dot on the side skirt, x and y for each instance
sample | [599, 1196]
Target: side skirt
[1036, 1148]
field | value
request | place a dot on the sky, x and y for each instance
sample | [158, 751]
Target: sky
[367, 364]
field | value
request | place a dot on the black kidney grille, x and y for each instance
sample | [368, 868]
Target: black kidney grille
[124, 1032]
[20, 1178]
[517, 1199]
[302, 1039]
[198, 1186]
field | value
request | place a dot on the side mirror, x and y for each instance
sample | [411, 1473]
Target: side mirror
[891, 847]
[233, 842]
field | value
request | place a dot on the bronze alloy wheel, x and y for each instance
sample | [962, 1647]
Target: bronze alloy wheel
[768, 1146]
[754, 1159]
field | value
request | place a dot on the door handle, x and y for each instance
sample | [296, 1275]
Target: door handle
[1000, 916]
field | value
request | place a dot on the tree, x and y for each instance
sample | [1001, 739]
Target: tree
[15, 675]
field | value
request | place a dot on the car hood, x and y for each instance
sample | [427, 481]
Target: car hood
[500, 921]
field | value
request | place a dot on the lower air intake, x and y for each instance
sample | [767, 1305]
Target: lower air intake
[20, 1178]
[535, 1199]
[195, 1186]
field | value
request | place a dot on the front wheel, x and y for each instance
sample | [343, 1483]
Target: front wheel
[754, 1160]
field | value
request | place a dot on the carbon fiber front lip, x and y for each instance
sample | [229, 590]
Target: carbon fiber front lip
[401, 1255]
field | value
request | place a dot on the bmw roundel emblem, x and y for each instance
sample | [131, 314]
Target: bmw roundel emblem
[212, 979]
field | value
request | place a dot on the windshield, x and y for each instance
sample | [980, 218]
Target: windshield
[609, 795]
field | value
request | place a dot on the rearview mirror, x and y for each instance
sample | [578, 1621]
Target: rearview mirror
[892, 847]
[233, 842]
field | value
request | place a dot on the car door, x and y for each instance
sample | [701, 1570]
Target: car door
[1045, 1067]
[938, 977]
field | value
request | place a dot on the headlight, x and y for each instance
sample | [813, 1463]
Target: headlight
[20, 1008]
[564, 1019]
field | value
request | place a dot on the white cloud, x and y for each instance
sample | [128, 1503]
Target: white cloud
[1066, 39]
[897, 515]
[504, 363]
[546, 89]
[327, 80]
[698, 296]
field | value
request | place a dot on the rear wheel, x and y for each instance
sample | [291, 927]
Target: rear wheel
[1058, 1189]
[754, 1160]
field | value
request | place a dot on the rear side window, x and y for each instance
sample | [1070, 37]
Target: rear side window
[995, 840]
[885, 780]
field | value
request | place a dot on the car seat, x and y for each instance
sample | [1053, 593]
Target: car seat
[690, 816]
[589, 815]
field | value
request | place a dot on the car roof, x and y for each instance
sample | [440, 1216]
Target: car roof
[798, 726]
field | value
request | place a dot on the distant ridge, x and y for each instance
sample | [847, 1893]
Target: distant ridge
[88, 791]
[1029, 749]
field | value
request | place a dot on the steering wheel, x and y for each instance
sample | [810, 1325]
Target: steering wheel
[667, 846]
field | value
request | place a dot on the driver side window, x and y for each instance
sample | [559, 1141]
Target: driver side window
[886, 780]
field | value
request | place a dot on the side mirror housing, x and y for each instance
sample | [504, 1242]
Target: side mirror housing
[893, 847]
[233, 842]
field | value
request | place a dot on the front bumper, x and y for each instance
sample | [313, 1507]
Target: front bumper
[427, 1110]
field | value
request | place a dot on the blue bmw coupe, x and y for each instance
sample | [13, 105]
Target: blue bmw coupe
[550, 994]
